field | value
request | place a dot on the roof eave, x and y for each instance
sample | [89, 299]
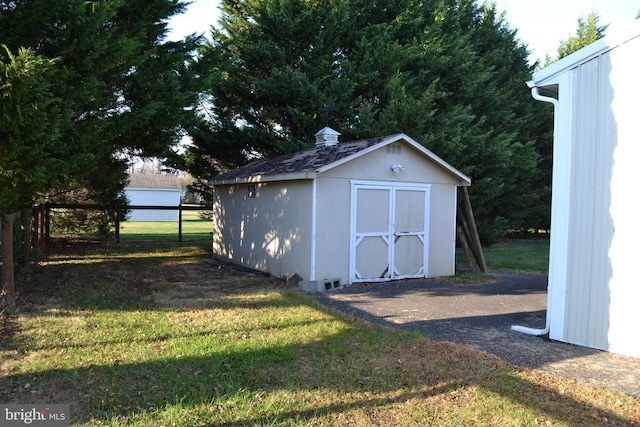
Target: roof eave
[154, 188]
[617, 37]
[267, 178]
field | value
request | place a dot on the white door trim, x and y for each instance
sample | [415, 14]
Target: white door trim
[390, 234]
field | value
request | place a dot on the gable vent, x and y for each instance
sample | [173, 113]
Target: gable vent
[394, 149]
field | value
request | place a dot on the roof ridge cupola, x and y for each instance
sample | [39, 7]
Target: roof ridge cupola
[326, 137]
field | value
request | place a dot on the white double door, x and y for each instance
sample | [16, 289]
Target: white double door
[389, 231]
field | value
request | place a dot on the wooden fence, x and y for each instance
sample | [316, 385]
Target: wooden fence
[35, 232]
[117, 211]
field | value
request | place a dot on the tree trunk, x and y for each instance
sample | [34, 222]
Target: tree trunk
[8, 282]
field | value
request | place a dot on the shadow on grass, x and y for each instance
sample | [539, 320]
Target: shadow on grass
[359, 367]
[205, 384]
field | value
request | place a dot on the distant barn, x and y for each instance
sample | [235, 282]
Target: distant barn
[342, 212]
[594, 290]
[152, 189]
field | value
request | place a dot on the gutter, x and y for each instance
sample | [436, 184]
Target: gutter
[526, 330]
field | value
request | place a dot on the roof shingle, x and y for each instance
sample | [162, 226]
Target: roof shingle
[310, 159]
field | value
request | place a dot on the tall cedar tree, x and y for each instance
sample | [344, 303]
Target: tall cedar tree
[115, 85]
[448, 73]
[588, 31]
[27, 130]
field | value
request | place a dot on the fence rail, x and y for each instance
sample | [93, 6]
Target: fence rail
[117, 213]
[35, 227]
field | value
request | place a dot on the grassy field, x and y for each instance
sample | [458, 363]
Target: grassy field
[164, 231]
[193, 228]
[527, 255]
[142, 334]
[523, 255]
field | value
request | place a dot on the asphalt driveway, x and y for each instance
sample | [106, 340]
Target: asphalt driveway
[481, 316]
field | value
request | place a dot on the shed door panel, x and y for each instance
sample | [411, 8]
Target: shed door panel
[389, 232]
[409, 234]
[372, 230]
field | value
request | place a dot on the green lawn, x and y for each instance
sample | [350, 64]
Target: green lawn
[525, 255]
[193, 228]
[152, 334]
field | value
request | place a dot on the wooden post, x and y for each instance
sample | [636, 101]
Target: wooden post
[25, 217]
[465, 238]
[475, 237]
[467, 250]
[36, 228]
[47, 222]
[116, 216]
[8, 281]
[471, 241]
[40, 228]
[180, 223]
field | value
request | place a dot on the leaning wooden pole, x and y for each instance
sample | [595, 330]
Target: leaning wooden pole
[474, 245]
[464, 242]
[475, 237]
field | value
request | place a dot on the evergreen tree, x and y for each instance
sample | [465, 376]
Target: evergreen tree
[28, 127]
[448, 73]
[119, 86]
[588, 31]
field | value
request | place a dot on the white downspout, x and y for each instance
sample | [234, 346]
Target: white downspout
[532, 331]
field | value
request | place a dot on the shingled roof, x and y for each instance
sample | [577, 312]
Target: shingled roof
[307, 160]
[306, 163]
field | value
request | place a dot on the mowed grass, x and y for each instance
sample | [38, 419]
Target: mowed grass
[193, 228]
[522, 255]
[154, 334]
[526, 255]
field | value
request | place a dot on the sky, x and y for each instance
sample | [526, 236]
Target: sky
[541, 24]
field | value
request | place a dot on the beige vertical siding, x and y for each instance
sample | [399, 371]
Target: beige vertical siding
[271, 232]
[442, 237]
[332, 229]
[274, 231]
[334, 189]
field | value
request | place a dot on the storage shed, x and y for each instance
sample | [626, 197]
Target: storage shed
[370, 210]
[153, 189]
[594, 290]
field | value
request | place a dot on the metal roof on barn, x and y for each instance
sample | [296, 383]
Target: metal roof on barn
[306, 163]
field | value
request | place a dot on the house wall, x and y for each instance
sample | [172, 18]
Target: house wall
[270, 232]
[594, 296]
[624, 287]
[153, 197]
[333, 201]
